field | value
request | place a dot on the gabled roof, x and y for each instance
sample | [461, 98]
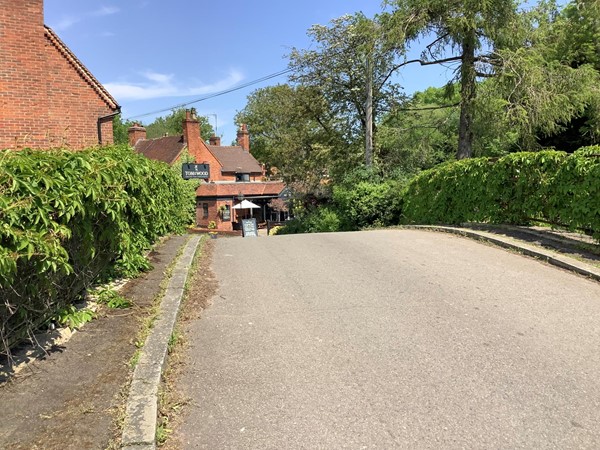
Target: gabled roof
[166, 149]
[232, 189]
[235, 159]
[81, 69]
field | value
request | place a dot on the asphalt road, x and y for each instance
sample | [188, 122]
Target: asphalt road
[392, 339]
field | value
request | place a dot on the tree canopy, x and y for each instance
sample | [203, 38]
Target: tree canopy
[467, 32]
[294, 133]
[169, 125]
[524, 78]
[172, 124]
[352, 67]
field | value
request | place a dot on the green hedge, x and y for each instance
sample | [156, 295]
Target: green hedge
[369, 204]
[362, 199]
[68, 218]
[517, 189]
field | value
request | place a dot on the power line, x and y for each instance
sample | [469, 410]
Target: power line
[216, 94]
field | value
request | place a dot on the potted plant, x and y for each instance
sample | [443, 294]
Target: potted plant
[212, 226]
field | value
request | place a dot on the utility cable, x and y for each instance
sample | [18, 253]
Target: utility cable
[216, 94]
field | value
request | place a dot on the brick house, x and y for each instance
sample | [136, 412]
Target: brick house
[235, 174]
[48, 98]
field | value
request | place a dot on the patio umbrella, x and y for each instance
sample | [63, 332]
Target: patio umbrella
[246, 204]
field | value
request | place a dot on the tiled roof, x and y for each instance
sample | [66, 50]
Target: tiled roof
[81, 69]
[235, 159]
[233, 189]
[166, 149]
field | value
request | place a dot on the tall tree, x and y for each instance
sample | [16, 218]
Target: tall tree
[293, 132]
[420, 133]
[352, 68]
[550, 87]
[465, 32]
[574, 36]
[172, 124]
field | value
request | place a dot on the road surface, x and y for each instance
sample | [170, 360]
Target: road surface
[391, 339]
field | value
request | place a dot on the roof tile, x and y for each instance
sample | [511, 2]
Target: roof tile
[166, 149]
[233, 189]
[235, 159]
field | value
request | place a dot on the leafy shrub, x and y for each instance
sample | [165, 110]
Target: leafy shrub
[112, 299]
[362, 199]
[316, 220]
[516, 189]
[68, 218]
[368, 204]
[275, 230]
[71, 317]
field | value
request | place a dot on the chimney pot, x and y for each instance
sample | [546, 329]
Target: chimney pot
[136, 133]
[191, 134]
[243, 137]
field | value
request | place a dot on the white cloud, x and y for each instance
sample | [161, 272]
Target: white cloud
[105, 11]
[69, 20]
[160, 78]
[158, 85]
[66, 22]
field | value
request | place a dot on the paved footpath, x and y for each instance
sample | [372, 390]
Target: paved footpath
[391, 339]
[69, 399]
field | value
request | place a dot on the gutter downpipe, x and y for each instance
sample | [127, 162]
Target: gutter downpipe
[103, 119]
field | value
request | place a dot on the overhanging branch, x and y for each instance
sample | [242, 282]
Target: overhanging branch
[428, 108]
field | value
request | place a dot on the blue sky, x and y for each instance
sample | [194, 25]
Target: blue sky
[154, 54]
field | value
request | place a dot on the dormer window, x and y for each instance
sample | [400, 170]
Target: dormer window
[241, 177]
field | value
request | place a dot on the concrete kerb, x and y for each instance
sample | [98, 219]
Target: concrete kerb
[139, 430]
[558, 260]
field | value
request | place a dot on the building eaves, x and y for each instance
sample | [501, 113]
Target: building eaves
[81, 69]
[233, 189]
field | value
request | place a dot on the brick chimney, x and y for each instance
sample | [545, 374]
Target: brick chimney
[191, 135]
[136, 133]
[215, 140]
[243, 137]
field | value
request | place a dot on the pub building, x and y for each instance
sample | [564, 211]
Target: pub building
[233, 184]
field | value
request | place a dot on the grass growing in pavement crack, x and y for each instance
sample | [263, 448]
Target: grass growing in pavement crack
[146, 324]
[170, 403]
[150, 319]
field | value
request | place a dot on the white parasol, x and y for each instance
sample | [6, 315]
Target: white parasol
[246, 204]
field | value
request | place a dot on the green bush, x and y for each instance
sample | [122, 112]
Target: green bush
[362, 199]
[318, 220]
[369, 204]
[69, 218]
[517, 189]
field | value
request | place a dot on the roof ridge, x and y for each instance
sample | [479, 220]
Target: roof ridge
[208, 147]
[80, 67]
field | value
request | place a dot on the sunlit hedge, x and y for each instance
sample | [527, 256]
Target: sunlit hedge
[68, 218]
[517, 189]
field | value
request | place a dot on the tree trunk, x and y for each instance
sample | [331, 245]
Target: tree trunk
[467, 91]
[369, 116]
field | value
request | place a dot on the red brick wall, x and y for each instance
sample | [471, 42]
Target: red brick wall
[205, 156]
[44, 101]
[213, 214]
[73, 105]
[243, 137]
